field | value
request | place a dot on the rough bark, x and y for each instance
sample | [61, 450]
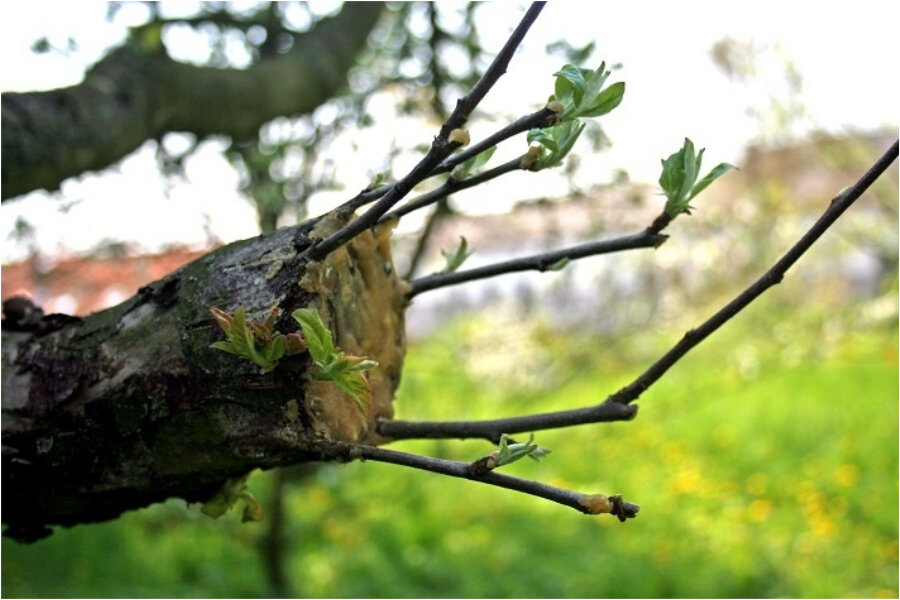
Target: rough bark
[130, 406]
[135, 94]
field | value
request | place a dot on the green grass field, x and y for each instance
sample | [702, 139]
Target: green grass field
[765, 465]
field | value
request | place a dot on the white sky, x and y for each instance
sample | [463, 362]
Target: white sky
[846, 54]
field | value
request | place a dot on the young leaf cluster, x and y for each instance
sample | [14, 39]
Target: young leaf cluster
[255, 341]
[232, 490]
[556, 143]
[679, 178]
[578, 93]
[344, 370]
[508, 453]
[457, 258]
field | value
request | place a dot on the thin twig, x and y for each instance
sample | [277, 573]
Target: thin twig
[585, 503]
[441, 147]
[542, 118]
[773, 276]
[622, 399]
[440, 211]
[537, 262]
[451, 186]
[492, 429]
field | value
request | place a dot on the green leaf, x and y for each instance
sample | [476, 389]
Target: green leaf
[261, 333]
[341, 369]
[544, 137]
[606, 101]
[570, 83]
[275, 349]
[253, 510]
[679, 178]
[564, 137]
[593, 86]
[559, 265]
[225, 498]
[509, 453]
[225, 346]
[719, 170]
[457, 258]
[318, 337]
[462, 170]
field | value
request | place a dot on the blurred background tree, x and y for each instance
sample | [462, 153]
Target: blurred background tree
[328, 539]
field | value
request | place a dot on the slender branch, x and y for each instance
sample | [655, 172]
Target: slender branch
[451, 186]
[440, 211]
[491, 430]
[441, 147]
[537, 262]
[773, 276]
[585, 503]
[542, 118]
[621, 399]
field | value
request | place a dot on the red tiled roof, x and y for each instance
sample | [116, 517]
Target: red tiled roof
[84, 285]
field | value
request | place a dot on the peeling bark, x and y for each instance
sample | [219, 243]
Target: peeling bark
[130, 406]
[134, 94]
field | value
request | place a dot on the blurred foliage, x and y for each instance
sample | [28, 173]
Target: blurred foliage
[765, 465]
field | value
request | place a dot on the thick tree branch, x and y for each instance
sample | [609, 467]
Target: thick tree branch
[130, 406]
[537, 262]
[612, 408]
[585, 503]
[440, 148]
[135, 94]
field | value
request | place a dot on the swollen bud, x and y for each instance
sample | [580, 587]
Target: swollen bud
[596, 504]
[459, 136]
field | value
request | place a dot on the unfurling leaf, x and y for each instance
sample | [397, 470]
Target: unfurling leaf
[318, 337]
[558, 140]
[226, 497]
[679, 178]
[457, 258]
[344, 370]
[508, 453]
[578, 92]
[252, 340]
[462, 170]
[559, 265]
[253, 510]
[606, 101]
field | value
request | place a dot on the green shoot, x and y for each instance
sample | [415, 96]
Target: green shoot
[344, 370]
[457, 258]
[679, 178]
[255, 341]
[464, 169]
[509, 453]
[555, 142]
[232, 490]
[559, 265]
[580, 92]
